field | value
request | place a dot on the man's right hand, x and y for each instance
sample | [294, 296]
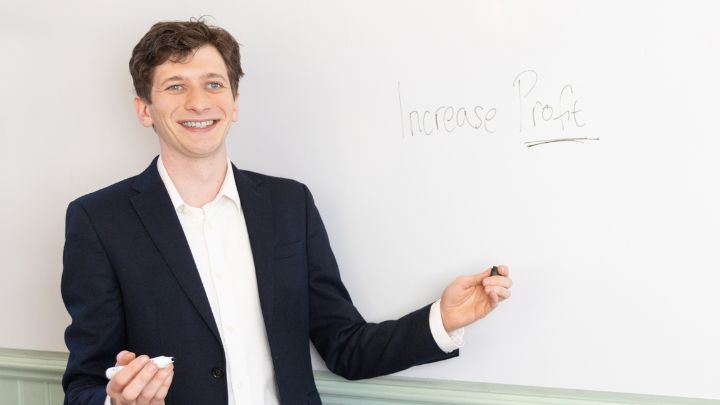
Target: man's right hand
[140, 382]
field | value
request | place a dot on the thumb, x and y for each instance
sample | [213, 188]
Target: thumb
[476, 279]
[124, 358]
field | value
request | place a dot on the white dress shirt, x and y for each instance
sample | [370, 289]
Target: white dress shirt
[220, 245]
[219, 242]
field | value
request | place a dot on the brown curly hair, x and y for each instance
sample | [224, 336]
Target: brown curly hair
[175, 41]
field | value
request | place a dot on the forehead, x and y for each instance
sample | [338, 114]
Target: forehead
[199, 63]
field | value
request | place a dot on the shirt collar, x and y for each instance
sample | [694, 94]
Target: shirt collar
[228, 188]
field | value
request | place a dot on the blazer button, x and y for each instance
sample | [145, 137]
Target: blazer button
[217, 372]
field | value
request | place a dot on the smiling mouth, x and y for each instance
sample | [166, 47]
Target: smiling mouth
[198, 124]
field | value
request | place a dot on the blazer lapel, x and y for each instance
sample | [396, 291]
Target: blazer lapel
[257, 210]
[155, 209]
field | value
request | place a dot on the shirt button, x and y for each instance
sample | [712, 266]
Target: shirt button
[217, 372]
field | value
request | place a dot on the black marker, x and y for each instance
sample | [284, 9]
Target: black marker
[494, 271]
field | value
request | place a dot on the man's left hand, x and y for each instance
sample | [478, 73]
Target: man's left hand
[470, 298]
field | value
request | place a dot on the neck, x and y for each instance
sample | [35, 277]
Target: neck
[197, 180]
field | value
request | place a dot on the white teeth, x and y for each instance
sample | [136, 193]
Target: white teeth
[198, 124]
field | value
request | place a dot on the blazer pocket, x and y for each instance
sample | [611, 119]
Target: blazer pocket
[288, 250]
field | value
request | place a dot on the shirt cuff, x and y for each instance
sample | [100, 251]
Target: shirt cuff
[447, 342]
[107, 401]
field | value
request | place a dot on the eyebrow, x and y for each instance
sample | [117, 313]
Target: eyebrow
[182, 78]
[214, 76]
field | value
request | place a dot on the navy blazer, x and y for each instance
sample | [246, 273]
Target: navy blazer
[130, 283]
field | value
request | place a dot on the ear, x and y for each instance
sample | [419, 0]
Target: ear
[235, 109]
[142, 109]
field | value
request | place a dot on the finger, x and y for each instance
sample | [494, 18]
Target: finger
[118, 383]
[501, 281]
[163, 391]
[500, 293]
[475, 279]
[502, 269]
[494, 300]
[124, 357]
[149, 393]
[137, 385]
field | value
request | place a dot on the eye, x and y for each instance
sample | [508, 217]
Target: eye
[215, 85]
[175, 88]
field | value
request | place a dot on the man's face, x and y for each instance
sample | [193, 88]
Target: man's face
[192, 105]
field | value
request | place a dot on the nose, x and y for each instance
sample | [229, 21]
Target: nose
[197, 100]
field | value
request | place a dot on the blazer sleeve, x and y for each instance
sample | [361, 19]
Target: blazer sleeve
[350, 346]
[92, 297]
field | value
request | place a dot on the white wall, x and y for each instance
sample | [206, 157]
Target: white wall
[611, 242]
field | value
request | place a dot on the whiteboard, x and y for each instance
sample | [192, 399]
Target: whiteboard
[575, 142]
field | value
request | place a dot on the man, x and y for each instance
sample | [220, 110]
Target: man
[229, 271]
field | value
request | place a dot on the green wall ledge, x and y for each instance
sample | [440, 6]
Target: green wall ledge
[29, 377]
